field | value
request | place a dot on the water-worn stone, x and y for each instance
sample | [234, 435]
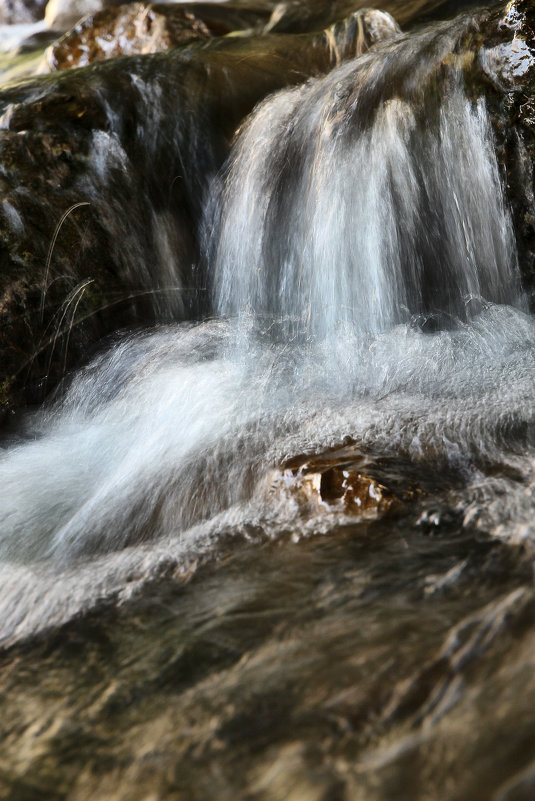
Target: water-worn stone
[333, 489]
[343, 480]
[124, 31]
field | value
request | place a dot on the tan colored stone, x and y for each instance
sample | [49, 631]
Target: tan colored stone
[132, 29]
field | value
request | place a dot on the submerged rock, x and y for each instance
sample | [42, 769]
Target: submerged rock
[293, 16]
[302, 672]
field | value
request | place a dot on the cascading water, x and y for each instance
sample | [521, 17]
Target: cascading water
[356, 213]
[349, 204]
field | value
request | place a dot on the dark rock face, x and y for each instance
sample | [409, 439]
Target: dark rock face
[136, 28]
[103, 172]
[507, 62]
[328, 671]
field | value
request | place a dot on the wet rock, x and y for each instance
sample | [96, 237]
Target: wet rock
[20, 11]
[126, 30]
[135, 144]
[506, 62]
[304, 672]
[334, 489]
[510, 64]
[361, 30]
[345, 480]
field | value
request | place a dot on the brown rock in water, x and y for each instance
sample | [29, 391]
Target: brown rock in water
[124, 31]
[333, 489]
[343, 480]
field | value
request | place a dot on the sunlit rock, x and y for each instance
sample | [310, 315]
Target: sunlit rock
[510, 64]
[336, 481]
[127, 30]
[220, 17]
[334, 489]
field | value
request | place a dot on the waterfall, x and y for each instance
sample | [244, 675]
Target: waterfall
[364, 284]
[366, 199]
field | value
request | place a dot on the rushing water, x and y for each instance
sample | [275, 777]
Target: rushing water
[350, 222]
[367, 305]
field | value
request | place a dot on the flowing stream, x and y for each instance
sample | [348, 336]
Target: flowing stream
[366, 304]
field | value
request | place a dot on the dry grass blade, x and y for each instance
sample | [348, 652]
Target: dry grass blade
[51, 250]
[75, 295]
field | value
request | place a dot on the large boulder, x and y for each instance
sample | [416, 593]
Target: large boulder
[104, 172]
